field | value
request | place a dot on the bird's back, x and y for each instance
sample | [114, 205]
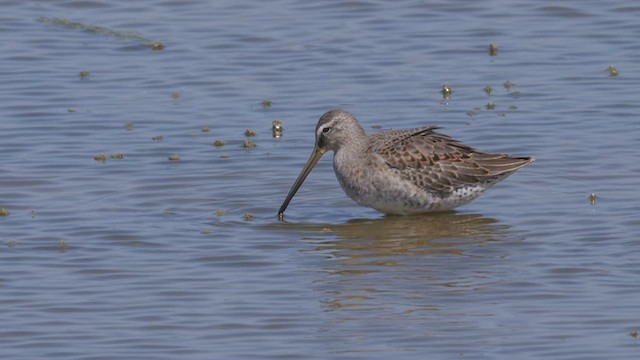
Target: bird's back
[440, 164]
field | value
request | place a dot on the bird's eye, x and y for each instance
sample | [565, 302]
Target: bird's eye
[326, 130]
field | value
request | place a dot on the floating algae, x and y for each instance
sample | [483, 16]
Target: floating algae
[248, 144]
[248, 217]
[276, 128]
[121, 34]
[446, 91]
[62, 246]
[508, 84]
[157, 45]
[493, 50]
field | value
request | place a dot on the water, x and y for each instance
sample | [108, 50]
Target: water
[149, 270]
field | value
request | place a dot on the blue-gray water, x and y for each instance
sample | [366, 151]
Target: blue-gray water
[530, 270]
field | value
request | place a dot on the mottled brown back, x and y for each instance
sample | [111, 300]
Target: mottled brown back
[438, 163]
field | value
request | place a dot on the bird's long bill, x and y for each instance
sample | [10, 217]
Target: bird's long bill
[313, 159]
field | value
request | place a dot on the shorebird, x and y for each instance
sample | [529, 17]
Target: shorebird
[402, 172]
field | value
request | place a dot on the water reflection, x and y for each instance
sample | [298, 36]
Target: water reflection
[407, 262]
[415, 235]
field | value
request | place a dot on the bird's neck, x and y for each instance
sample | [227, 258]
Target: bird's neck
[356, 144]
[353, 149]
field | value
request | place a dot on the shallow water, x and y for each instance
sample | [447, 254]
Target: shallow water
[148, 270]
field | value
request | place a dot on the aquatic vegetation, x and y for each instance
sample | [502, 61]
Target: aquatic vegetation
[205, 129]
[219, 212]
[218, 143]
[11, 243]
[130, 125]
[613, 71]
[266, 103]
[491, 105]
[174, 157]
[446, 91]
[488, 90]
[121, 34]
[157, 138]
[248, 144]
[593, 198]
[493, 50]
[117, 156]
[248, 217]
[276, 128]
[249, 133]
[4, 212]
[101, 157]
[176, 95]
[508, 84]
[84, 74]
[157, 45]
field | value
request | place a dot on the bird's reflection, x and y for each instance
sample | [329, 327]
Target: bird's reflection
[409, 259]
[362, 239]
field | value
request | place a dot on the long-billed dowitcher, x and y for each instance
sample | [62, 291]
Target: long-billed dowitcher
[404, 171]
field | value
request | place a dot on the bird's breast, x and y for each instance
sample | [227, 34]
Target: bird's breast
[370, 182]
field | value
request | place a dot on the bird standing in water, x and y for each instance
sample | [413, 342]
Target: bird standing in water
[404, 172]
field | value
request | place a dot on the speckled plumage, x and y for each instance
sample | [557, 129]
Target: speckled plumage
[404, 171]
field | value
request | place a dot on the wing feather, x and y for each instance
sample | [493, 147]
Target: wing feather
[437, 162]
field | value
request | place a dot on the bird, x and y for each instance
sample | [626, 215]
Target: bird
[403, 172]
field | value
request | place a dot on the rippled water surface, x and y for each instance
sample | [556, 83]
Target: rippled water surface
[147, 258]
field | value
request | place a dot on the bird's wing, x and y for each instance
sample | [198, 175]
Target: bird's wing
[438, 163]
